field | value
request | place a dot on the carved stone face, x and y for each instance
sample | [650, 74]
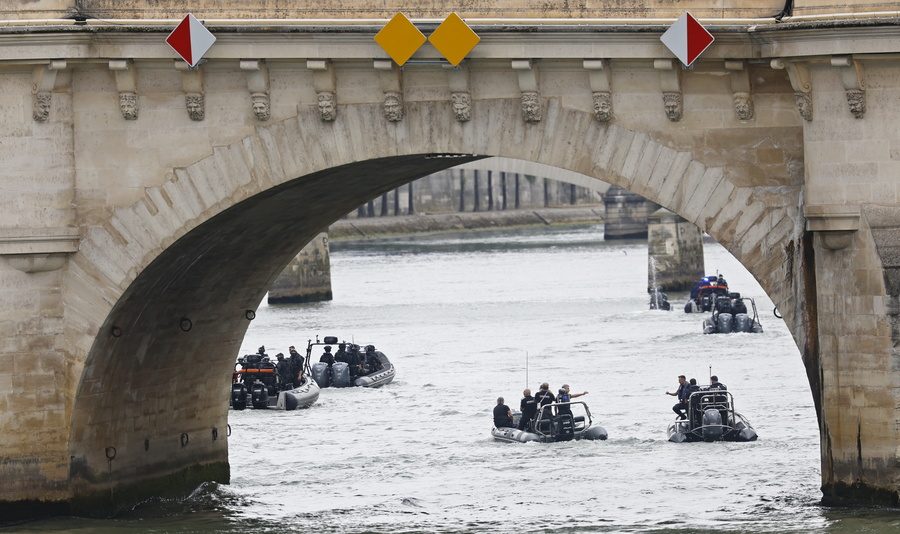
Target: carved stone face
[743, 106]
[40, 108]
[393, 106]
[462, 106]
[602, 106]
[856, 99]
[804, 105]
[129, 105]
[327, 106]
[672, 103]
[195, 106]
[531, 106]
[260, 106]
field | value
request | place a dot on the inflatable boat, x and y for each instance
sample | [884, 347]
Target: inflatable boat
[704, 293]
[563, 421]
[336, 370]
[249, 390]
[711, 417]
[730, 315]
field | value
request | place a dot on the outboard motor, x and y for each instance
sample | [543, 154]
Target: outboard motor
[321, 374]
[742, 323]
[563, 428]
[340, 375]
[238, 396]
[724, 323]
[712, 425]
[259, 395]
[706, 303]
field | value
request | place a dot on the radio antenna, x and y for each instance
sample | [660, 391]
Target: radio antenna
[526, 369]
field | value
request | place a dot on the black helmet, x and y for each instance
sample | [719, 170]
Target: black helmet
[261, 349]
[280, 355]
[328, 349]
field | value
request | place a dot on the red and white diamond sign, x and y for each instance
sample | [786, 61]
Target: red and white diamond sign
[687, 38]
[190, 40]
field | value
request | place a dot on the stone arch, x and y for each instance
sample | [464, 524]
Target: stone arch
[207, 225]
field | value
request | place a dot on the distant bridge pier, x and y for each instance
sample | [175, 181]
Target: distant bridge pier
[307, 278]
[626, 214]
[675, 251]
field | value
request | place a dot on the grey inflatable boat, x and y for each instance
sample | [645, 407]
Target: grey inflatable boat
[711, 417]
[339, 374]
[261, 395]
[563, 421]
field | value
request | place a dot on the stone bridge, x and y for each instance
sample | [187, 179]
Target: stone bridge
[147, 207]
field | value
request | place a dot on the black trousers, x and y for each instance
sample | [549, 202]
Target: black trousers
[680, 409]
[524, 423]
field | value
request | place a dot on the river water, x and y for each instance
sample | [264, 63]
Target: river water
[457, 314]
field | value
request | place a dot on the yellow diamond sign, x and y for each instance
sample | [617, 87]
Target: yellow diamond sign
[400, 38]
[454, 39]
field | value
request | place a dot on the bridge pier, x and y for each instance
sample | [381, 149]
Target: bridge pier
[675, 251]
[307, 278]
[626, 214]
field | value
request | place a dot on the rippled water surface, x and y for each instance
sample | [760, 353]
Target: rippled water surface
[457, 315]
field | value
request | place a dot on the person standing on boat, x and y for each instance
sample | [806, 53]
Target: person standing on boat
[327, 357]
[543, 396]
[683, 394]
[714, 384]
[297, 362]
[565, 395]
[502, 415]
[341, 355]
[528, 406]
[283, 368]
[372, 363]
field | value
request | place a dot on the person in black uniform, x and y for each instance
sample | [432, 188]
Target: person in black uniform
[355, 359]
[283, 368]
[372, 363]
[683, 394]
[502, 415]
[297, 363]
[327, 357]
[714, 384]
[528, 406]
[341, 355]
[543, 397]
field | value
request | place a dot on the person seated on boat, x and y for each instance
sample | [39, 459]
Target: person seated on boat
[327, 357]
[283, 369]
[565, 395]
[714, 384]
[502, 415]
[528, 406]
[262, 352]
[721, 281]
[297, 362]
[341, 354]
[372, 362]
[683, 394]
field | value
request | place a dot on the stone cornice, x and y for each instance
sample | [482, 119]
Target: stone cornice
[38, 240]
[25, 44]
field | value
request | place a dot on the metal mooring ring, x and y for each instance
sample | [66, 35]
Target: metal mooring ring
[227, 430]
[185, 324]
[775, 313]
[110, 453]
[250, 315]
[185, 439]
